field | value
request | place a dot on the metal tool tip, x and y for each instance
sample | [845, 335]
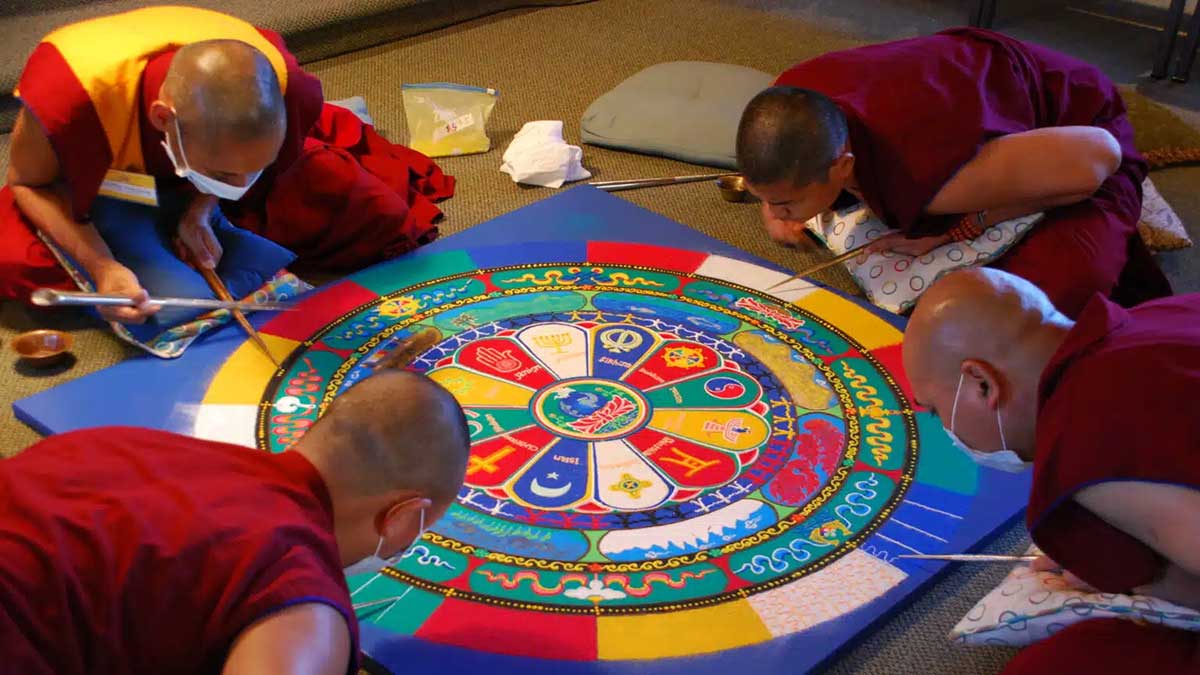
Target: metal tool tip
[44, 297]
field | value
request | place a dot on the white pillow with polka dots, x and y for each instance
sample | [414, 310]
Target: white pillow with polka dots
[894, 281]
[1030, 606]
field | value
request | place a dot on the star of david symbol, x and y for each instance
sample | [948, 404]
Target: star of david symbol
[630, 485]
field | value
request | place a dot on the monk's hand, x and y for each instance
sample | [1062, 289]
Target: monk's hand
[896, 242]
[114, 278]
[1046, 564]
[790, 233]
[195, 242]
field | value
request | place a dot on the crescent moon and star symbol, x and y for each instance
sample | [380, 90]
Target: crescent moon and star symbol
[548, 492]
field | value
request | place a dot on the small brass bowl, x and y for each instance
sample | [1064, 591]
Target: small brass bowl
[733, 188]
[43, 348]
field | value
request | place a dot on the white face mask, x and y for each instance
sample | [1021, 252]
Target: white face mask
[373, 564]
[205, 184]
[1004, 460]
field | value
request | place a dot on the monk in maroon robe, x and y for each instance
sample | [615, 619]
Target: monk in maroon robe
[943, 136]
[1105, 409]
[217, 114]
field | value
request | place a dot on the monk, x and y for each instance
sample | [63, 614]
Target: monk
[946, 135]
[1105, 409]
[218, 118]
[137, 551]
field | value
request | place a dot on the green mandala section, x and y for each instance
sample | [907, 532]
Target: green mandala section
[641, 439]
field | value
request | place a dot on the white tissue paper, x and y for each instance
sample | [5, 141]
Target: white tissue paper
[538, 155]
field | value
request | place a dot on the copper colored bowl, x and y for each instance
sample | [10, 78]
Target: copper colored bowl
[733, 188]
[43, 347]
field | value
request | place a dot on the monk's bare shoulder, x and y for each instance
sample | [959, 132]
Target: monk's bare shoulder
[310, 639]
[1160, 515]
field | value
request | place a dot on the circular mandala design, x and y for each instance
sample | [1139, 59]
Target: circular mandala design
[633, 446]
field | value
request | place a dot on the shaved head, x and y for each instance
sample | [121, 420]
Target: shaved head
[225, 91]
[793, 150]
[975, 313]
[395, 431]
[790, 134]
[993, 332]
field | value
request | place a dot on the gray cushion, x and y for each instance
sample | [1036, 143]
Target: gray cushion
[687, 110]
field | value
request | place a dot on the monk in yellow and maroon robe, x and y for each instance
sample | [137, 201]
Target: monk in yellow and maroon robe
[336, 193]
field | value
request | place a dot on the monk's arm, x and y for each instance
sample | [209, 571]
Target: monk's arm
[1164, 517]
[40, 193]
[1031, 171]
[306, 639]
[37, 186]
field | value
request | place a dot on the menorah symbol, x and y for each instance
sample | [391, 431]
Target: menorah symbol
[555, 341]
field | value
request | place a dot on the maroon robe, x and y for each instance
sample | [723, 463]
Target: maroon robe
[919, 109]
[1117, 402]
[351, 198]
[127, 550]
[1111, 647]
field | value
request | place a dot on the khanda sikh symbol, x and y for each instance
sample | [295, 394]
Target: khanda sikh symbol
[620, 340]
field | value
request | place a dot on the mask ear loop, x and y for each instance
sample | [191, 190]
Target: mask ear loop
[179, 138]
[394, 601]
[379, 547]
[954, 408]
[368, 582]
[1000, 425]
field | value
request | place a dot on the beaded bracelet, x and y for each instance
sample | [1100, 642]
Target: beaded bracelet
[970, 226]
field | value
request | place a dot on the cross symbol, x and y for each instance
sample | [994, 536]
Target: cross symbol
[488, 464]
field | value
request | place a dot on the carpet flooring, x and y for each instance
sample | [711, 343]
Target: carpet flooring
[549, 64]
